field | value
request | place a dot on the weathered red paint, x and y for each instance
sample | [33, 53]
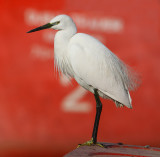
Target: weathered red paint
[116, 154]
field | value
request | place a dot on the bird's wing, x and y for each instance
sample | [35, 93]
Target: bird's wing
[93, 64]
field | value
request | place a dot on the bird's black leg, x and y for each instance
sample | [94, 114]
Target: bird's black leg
[96, 123]
[97, 118]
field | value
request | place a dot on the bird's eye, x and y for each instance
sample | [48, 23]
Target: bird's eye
[57, 22]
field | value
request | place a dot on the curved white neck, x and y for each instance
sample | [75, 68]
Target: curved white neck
[61, 41]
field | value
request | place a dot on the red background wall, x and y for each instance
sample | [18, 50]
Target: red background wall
[40, 114]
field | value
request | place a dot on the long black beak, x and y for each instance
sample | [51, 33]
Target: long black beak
[48, 25]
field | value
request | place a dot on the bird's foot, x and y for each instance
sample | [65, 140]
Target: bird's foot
[90, 143]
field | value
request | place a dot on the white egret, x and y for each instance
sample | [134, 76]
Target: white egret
[91, 64]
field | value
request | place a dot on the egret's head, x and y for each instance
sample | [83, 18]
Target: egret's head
[60, 22]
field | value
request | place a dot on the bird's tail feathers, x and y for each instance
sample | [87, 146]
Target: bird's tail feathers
[118, 104]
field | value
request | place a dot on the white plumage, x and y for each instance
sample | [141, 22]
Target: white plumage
[91, 63]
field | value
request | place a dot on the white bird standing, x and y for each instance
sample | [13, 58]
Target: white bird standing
[91, 64]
